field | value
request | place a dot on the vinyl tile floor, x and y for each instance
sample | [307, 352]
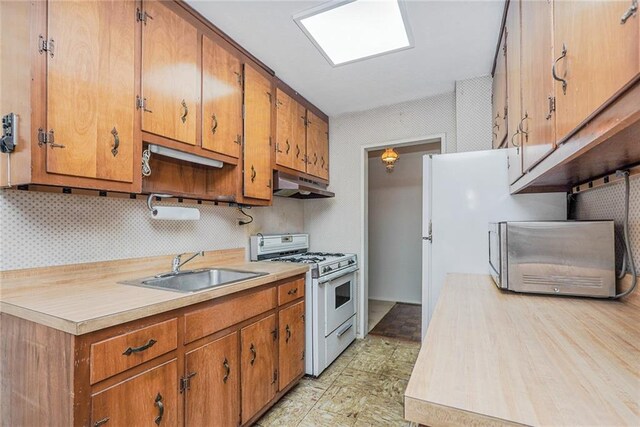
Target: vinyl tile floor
[363, 387]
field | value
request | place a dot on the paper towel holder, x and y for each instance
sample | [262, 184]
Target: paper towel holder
[150, 200]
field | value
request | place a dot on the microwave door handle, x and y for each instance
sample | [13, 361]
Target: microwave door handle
[490, 259]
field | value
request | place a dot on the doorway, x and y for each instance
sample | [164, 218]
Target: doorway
[392, 238]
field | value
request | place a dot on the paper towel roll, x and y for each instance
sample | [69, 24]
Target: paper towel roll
[175, 213]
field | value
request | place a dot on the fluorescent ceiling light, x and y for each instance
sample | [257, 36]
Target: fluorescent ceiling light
[351, 30]
[187, 157]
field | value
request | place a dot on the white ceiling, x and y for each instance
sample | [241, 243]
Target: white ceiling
[454, 40]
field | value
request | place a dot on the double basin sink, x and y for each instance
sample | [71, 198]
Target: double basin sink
[194, 280]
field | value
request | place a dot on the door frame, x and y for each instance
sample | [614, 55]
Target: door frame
[363, 283]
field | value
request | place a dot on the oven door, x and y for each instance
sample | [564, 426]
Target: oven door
[339, 301]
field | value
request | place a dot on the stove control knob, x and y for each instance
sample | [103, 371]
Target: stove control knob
[351, 262]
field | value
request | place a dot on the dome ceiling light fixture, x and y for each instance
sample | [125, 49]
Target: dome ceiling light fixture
[389, 158]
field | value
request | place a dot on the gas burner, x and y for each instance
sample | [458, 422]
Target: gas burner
[325, 254]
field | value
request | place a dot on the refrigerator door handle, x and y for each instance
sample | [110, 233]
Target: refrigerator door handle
[430, 236]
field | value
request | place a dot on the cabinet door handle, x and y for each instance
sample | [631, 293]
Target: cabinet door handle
[288, 147]
[101, 422]
[553, 70]
[287, 333]
[116, 141]
[252, 349]
[160, 405]
[526, 134]
[292, 291]
[227, 370]
[185, 111]
[129, 351]
[322, 161]
[625, 16]
[315, 159]
[214, 124]
[297, 151]
[253, 173]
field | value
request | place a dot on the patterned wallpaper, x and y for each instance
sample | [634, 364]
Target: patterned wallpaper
[473, 114]
[608, 203]
[40, 229]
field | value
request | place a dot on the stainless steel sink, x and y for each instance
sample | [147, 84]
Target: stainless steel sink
[195, 280]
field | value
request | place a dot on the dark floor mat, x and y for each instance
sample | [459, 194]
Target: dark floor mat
[402, 322]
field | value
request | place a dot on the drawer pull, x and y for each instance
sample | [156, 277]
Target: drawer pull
[101, 422]
[227, 370]
[287, 333]
[131, 350]
[252, 349]
[344, 331]
[160, 405]
[293, 291]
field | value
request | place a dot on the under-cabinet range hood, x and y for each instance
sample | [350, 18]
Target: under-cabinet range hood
[297, 187]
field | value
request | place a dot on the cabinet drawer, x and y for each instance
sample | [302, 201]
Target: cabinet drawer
[212, 319]
[117, 354]
[290, 291]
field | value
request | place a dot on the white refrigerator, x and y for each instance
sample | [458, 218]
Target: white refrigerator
[462, 193]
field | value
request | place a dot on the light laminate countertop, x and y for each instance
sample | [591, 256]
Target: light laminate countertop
[83, 298]
[492, 357]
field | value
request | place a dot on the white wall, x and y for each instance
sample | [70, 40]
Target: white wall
[40, 229]
[473, 114]
[395, 230]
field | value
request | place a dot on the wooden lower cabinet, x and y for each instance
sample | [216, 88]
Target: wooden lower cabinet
[259, 365]
[213, 396]
[291, 344]
[145, 399]
[145, 373]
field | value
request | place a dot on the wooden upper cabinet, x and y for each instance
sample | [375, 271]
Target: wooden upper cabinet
[259, 377]
[91, 89]
[291, 347]
[514, 116]
[213, 396]
[499, 96]
[283, 148]
[538, 124]
[147, 399]
[257, 143]
[317, 146]
[221, 99]
[170, 74]
[596, 55]
[299, 136]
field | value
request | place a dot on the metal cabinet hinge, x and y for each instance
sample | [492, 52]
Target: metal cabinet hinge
[275, 377]
[45, 138]
[269, 184]
[270, 142]
[9, 137]
[185, 382]
[552, 106]
[505, 113]
[141, 103]
[45, 45]
[269, 95]
[244, 109]
[142, 15]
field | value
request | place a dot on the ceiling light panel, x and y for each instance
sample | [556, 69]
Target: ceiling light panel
[347, 31]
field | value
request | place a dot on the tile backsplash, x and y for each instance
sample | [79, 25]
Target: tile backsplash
[608, 203]
[44, 229]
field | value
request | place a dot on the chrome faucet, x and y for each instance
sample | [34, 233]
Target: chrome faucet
[177, 263]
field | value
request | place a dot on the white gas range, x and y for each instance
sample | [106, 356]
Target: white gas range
[330, 294]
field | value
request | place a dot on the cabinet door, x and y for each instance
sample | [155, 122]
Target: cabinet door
[170, 75]
[258, 363]
[90, 89]
[317, 146]
[299, 136]
[148, 399]
[221, 99]
[499, 96]
[291, 348]
[538, 136]
[602, 55]
[284, 151]
[257, 142]
[213, 397]
[514, 116]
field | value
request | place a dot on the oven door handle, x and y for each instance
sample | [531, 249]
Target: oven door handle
[339, 273]
[344, 331]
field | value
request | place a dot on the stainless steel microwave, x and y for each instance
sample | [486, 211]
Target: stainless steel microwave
[554, 257]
